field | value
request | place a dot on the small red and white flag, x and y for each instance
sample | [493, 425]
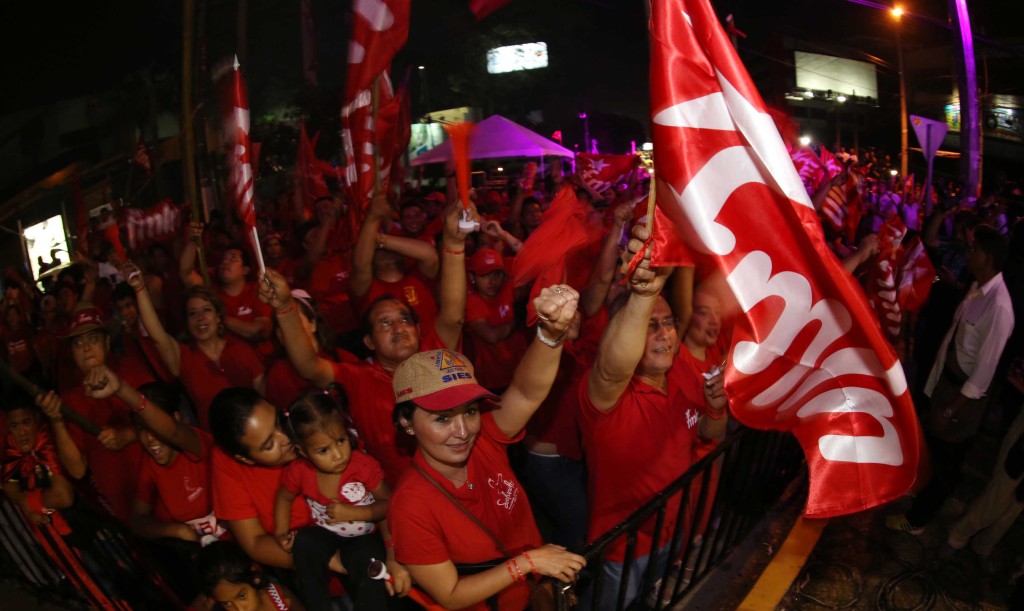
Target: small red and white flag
[807, 354]
[600, 172]
[241, 178]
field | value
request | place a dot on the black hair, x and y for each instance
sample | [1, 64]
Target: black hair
[246, 258]
[16, 398]
[225, 560]
[413, 203]
[368, 324]
[313, 411]
[988, 240]
[123, 290]
[229, 411]
[160, 395]
[402, 410]
[324, 334]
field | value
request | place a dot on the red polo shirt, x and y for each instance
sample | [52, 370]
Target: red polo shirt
[494, 363]
[203, 379]
[247, 307]
[427, 528]
[180, 490]
[411, 288]
[633, 452]
[241, 492]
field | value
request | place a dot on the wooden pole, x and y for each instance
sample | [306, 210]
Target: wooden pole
[68, 413]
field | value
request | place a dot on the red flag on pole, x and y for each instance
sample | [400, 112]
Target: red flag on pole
[379, 29]
[807, 353]
[242, 179]
[600, 172]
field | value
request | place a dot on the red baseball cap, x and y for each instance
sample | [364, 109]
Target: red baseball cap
[83, 320]
[485, 261]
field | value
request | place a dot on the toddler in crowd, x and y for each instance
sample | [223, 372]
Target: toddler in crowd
[349, 516]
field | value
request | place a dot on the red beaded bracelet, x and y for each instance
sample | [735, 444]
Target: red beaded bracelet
[533, 568]
[508, 567]
[288, 310]
[454, 252]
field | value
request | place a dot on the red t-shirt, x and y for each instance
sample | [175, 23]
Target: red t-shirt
[411, 288]
[140, 361]
[241, 492]
[247, 307]
[284, 384]
[18, 347]
[358, 481]
[494, 363]
[180, 490]
[427, 528]
[555, 421]
[633, 452]
[328, 285]
[114, 486]
[203, 379]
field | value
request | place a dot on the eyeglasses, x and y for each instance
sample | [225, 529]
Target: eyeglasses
[668, 324]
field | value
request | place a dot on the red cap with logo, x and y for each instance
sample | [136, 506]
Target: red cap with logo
[485, 261]
[83, 320]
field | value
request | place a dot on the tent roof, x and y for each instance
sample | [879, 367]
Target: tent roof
[496, 136]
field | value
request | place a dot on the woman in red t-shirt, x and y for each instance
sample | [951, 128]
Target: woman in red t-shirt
[213, 361]
[461, 480]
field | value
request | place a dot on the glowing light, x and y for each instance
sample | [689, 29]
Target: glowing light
[501, 169]
[841, 98]
[647, 146]
[808, 94]
[897, 11]
[893, 172]
[422, 67]
[805, 140]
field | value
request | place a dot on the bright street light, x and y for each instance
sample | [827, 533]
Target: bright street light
[897, 11]
[805, 140]
[840, 98]
[422, 67]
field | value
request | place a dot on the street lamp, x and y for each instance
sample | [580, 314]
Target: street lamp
[897, 14]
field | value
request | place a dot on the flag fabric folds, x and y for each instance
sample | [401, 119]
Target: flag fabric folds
[379, 29]
[600, 172]
[807, 354]
[242, 179]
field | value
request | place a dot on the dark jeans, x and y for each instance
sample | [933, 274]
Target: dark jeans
[312, 551]
[947, 461]
[557, 488]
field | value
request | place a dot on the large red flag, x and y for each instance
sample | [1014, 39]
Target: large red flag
[379, 29]
[600, 172]
[807, 353]
[242, 180]
[362, 134]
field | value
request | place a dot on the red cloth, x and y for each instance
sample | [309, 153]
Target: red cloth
[203, 379]
[724, 177]
[21, 466]
[916, 275]
[18, 347]
[106, 467]
[494, 363]
[357, 483]
[140, 361]
[428, 528]
[180, 490]
[600, 172]
[247, 307]
[328, 285]
[241, 492]
[411, 289]
[377, 34]
[633, 451]
[285, 385]
[242, 179]
[555, 421]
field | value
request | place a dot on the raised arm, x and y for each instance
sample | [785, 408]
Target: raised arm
[166, 346]
[532, 380]
[297, 344]
[187, 264]
[622, 345]
[592, 297]
[71, 458]
[366, 244]
[422, 252]
[451, 314]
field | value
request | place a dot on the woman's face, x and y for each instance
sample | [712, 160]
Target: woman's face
[265, 442]
[447, 437]
[160, 452]
[203, 321]
[237, 596]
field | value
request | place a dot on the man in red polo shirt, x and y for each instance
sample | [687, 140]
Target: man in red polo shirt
[244, 314]
[393, 334]
[496, 342]
[102, 457]
[638, 422]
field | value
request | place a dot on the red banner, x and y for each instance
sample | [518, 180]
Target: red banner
[807, 353]
[242, 179]
[600, 172]
[379, 29]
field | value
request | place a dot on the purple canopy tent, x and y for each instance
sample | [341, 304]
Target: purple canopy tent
[496, 136]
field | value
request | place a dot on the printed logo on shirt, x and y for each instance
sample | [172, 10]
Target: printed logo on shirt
[192, 492]
[410, 295]
[504, 310]
[691, 418]
[244, 310]
[508, 492]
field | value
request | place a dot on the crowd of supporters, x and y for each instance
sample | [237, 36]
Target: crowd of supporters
[349, 412]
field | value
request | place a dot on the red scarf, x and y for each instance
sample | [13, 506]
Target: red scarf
[18, 465]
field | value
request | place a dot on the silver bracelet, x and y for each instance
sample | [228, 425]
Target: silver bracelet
[554, 343]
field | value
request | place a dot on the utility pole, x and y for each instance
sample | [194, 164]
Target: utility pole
[970, 115]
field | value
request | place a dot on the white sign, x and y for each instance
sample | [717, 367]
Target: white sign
[930, 134]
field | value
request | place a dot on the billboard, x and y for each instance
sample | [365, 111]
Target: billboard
[47, 245]
[825, 72]
[529, 56]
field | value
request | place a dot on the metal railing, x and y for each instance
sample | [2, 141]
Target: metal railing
[720, 500]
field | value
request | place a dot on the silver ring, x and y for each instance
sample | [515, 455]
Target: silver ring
[558, 290]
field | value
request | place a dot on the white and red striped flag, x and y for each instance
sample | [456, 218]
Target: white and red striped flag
[600, 172]
[242, 181]
[379, 29]
[807, 353]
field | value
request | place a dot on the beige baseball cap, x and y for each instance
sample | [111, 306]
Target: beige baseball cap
[438, 380]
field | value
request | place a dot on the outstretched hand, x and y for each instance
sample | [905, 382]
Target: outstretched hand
[100, 382]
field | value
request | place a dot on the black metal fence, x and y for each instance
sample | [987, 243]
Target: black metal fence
[720, 499]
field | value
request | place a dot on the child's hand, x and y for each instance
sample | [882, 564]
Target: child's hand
[286, 540]
[344, 512]
[402, 579]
